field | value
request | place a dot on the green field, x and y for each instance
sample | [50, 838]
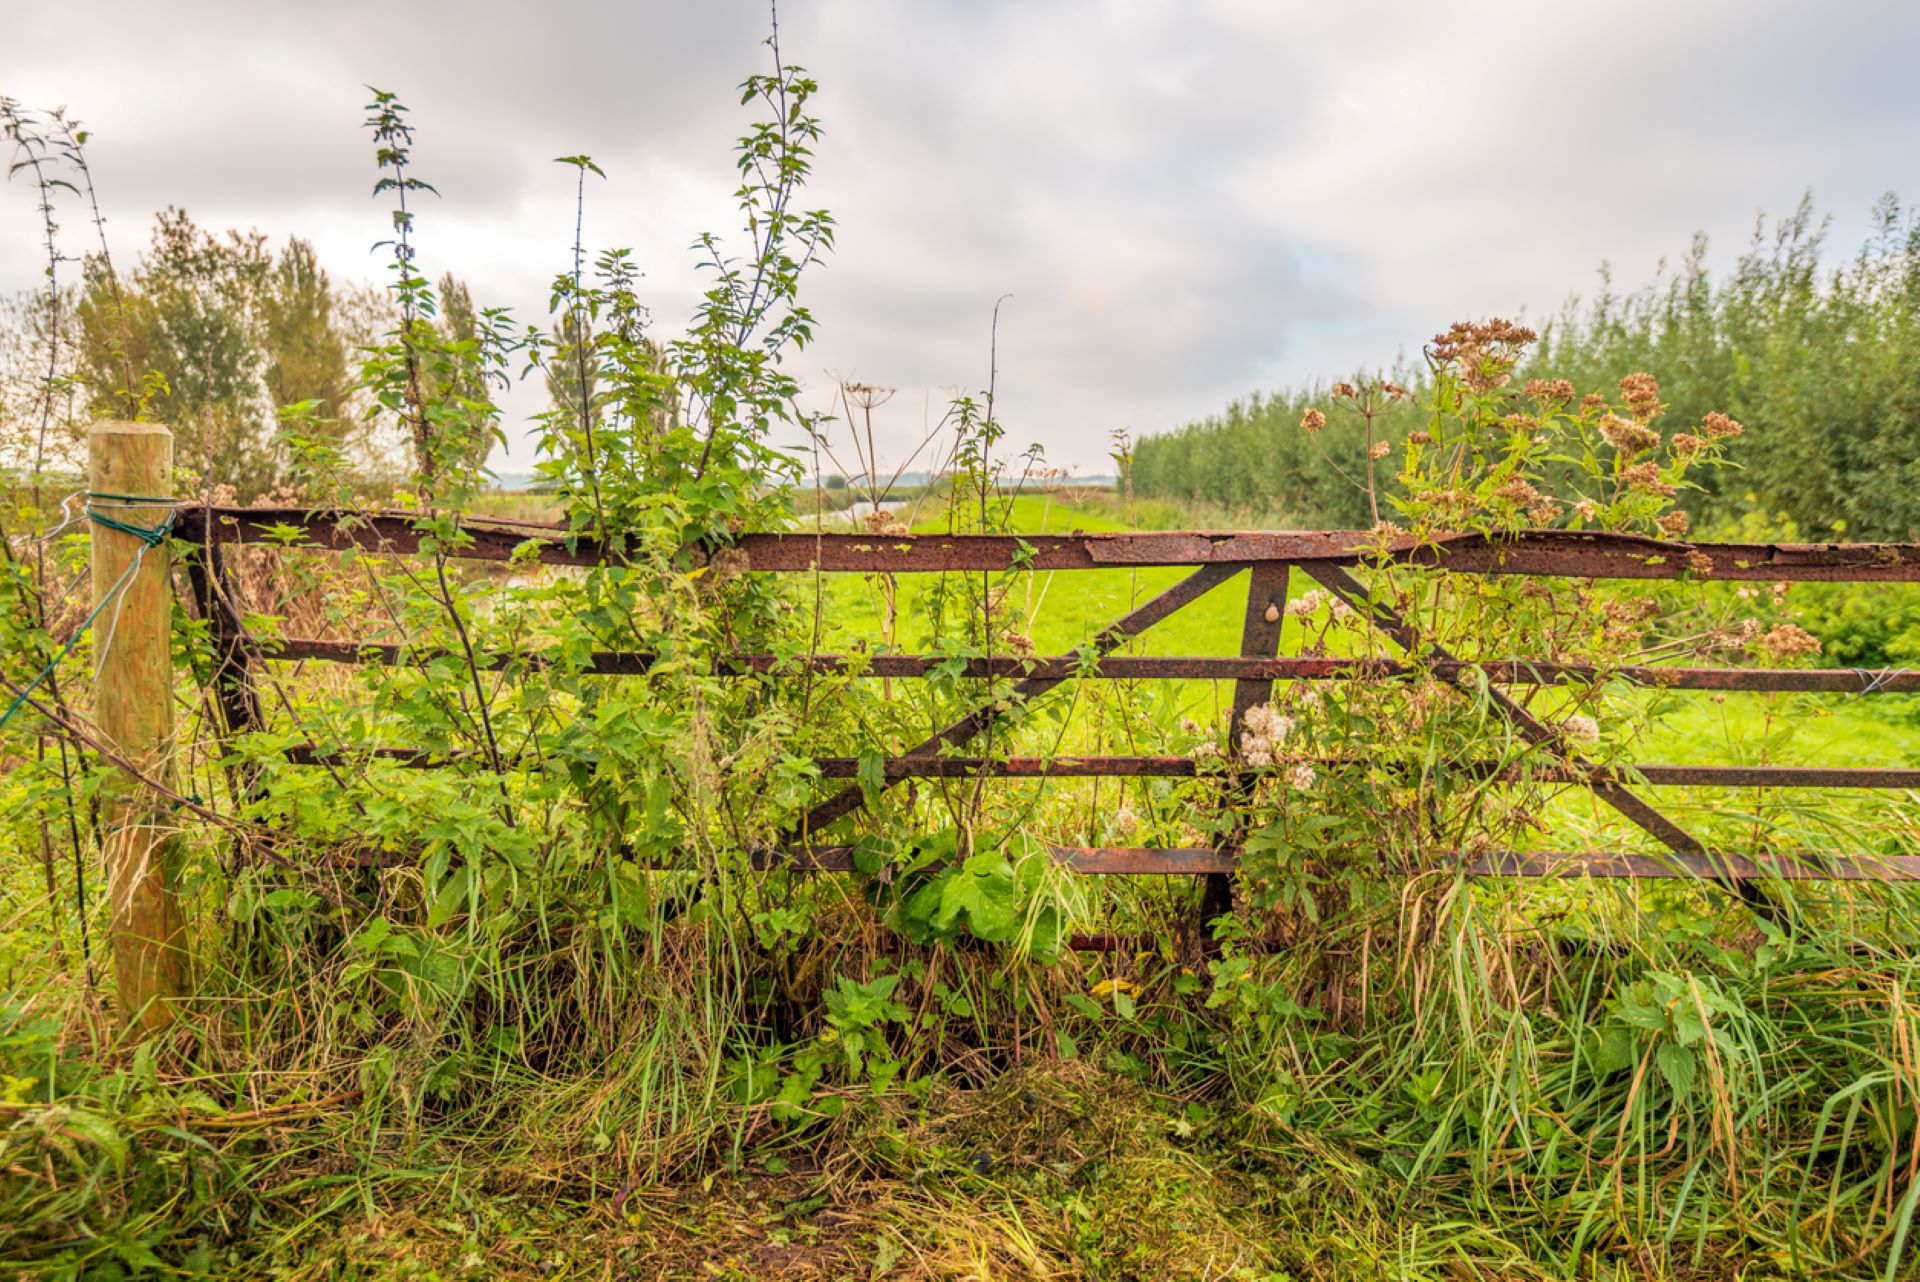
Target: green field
[362, 919]
[468, 1109]
[1066, 608]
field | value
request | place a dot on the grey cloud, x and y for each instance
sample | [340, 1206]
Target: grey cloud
[1186, 201]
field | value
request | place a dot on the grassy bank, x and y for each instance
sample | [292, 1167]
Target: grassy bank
[1532, 1081]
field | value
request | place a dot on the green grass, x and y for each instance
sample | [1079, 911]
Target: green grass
[1480, 1084]
[1066, 608]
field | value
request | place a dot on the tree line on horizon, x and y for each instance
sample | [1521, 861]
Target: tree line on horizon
[219, 335]
[1820, 362]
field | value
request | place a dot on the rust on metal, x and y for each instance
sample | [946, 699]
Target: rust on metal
[1855, 681]
[1092, 860]
[1110, 638]
[212, 586]
[1620, 798]
[1807, 866]
[1096, 767]
[1145, 861]
[1560, 553]
[1325, 555]
[1260, 630]
[1598, 864]
[895, 769]
[1165, 767]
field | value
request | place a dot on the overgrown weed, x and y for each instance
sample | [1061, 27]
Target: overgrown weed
[538, 1011]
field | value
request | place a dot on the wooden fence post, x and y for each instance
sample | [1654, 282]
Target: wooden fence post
[133, 704]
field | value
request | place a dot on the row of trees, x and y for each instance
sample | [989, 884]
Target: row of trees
[218, 335]
[1255, 461]
[1821, 363]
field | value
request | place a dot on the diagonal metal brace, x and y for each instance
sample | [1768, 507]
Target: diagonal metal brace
[1109, 639]
[1596, 777]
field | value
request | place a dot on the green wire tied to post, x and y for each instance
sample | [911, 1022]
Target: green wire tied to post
[150, 536]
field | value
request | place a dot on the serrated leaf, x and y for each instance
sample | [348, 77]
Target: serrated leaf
[1677, 1064]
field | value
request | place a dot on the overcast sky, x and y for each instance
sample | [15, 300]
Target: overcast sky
[1186, 201]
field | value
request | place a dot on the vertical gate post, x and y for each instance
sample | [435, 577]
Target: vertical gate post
[129, 466]
[1259, 639]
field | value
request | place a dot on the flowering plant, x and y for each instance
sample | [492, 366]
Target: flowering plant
[1358, 786]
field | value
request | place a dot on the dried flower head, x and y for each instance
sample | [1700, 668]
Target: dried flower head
[1675, 523]
[1300, 777]
[1789, 641]
[1627, 437]
[1313, 420]
[1483, 352]
[881, 521]
[1518, 491]
[1550, 391]
[1645, 477]
[727, 564]
[1345, 392]
[1394, 391]
[1581, 728]
[1636, 609]
[1447, 500]
[1419, 438]
[1643, 396]
[1379, 449]
[868, 396]
[1267, 722]
[1686, 444]
[1719, 426]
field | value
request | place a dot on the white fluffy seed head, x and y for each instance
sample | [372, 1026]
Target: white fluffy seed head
[1581, 728]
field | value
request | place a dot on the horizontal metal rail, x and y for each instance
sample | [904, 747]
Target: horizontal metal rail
[1107, 767]
[1598, 864]
[1092, 860]
[1166, 767]
[1215, 557]
[1551, 553]
[1188, 861]
[1853, 681]
[1609, 864]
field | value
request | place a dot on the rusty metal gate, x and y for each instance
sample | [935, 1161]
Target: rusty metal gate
[1328, 557]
